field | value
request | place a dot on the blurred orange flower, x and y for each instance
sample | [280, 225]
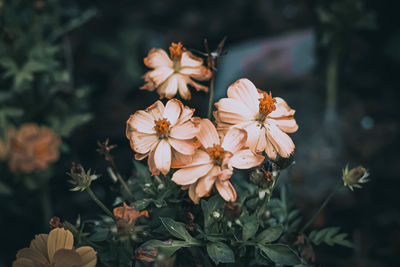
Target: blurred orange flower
[174, 72]
[163, 134]
[266, 119]
[213, 163]
[126, 216]
[55, 249]
[33, 148]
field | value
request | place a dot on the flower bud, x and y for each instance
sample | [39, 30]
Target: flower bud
[79, 178]
[355, 177]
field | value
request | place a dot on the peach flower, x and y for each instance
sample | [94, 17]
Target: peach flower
[55, 249]
[174, 72]
[213, 163]
[163, 134]
[33, 148]
[266, 119]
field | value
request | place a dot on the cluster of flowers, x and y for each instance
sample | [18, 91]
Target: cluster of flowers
[30, 148]
[248, 123]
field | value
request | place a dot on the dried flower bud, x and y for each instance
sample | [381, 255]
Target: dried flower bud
[355, 177]
[232, 210]
[125, 216]
[79, 178]
[146, 254]
[55, 222]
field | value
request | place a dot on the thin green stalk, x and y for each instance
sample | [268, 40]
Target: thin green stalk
[211, 96]
[98, 202]
[333, 192]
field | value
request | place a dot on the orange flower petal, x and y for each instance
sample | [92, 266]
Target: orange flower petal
[244, 91]
[185, 147]
[190, 175]
[234, 140]
[245, 159]
[226, 190]
[281, 141]
[208, 135]
[162, 157]
[157, 58]
[173, 110]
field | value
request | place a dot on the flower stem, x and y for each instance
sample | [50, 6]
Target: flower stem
[211, 96]
[326, 201]
[98, 202]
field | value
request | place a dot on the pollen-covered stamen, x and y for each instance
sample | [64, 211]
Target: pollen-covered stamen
[217, 153]
[266, 105]
[176, 51]
[162, 127]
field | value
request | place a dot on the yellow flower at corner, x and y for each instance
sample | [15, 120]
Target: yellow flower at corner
[213, 163]
[266, 119]
[55, 250]
[171, 74]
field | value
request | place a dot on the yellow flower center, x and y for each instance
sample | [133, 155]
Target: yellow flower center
[217, 153]
[266, 105]
[176, 51]
[162, 127]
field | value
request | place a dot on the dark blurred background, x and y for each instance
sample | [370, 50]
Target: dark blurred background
[276, 44]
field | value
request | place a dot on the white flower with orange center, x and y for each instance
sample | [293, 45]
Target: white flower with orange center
[174, 73]
[163, 134]
[213, 163]
[266, 119]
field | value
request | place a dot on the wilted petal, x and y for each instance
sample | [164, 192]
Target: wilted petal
[197, 86]
[142, 143]
[183, 88]
[226, 190]
[140, 121]
[151, 163]
[207, 135]
[33, 255]
[281, 141]
[162, 157]
[187, 130]
[245, 159]
[185, 147]
[244, 91]
[205, 184]
[157, 58]
[156, 77]
[256, 137]
[59, 239]
[234, 106]
[286, 124]
[270, 150]
[201, 73]
[192, 193]
[40, 244]
[234, 140]
[190, 175]
[282, 109]
[169, 87]
[173, 110]
[88, 255]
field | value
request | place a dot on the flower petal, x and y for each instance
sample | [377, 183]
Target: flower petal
[189, 60]
[205, 184]
[270, 150]
[244, 91]
[88, 255]
[151, 163]
[170, 87]
[33, 255]
[157, 58]
[197, 86]
[173, 110]
[24, 262]
[190, 175]
[286, 124]
[234, 140]
[59, 239]
[192, 193]
[185, 147]
[187, 130]
[234, 106]
[180, 160]
[140, 121]
[162, 157]
[282, 109]
[186, 114]
[226, 190]
[142, 143]
[199, 158]
[183, 88]
[256, 137]
[208, 135]
[245, 159]
[201, 73]
[156, 110]
[281, 141]
[155, 78]
[66, 258]
[40, 244]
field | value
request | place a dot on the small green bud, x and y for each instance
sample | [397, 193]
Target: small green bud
[79, 178]
[355, 177]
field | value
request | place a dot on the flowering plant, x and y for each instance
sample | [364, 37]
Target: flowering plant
[205, 195]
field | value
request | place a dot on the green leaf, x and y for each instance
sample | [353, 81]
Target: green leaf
[280, 254]
[100, 235]
[329, 236]
[220, 253]
[177, 229]
[166, 248]
[270, 235]
[141, 170]
[213, 204]
[250, 226]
